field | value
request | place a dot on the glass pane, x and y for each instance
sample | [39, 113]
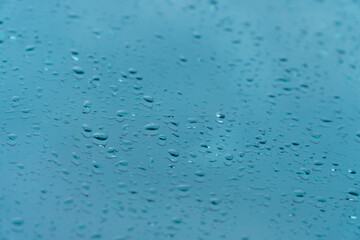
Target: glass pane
[165, 119]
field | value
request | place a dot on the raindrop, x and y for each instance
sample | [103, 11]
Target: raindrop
[78, 70]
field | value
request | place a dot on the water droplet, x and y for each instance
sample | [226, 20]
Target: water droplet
[220, 117]
[173, 152]
[121, 115]
[299, 196]
[149, 99]
[100, 139]
[86, 107]
[78, 70]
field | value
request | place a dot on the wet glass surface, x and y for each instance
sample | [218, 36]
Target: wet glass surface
[166, 119]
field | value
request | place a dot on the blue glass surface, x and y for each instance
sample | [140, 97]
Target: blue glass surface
[165, 119]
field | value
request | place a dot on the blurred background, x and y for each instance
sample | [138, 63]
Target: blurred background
[164, 119]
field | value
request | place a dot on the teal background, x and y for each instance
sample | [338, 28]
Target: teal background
[166, 119]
